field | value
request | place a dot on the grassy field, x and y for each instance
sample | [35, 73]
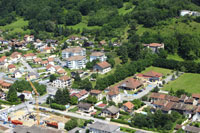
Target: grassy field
[16, 26]
[172, 25]
[188, 81]
[175, 57]
[158, 69]
[83, 24]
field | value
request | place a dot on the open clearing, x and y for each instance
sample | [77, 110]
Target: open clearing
[188, 81]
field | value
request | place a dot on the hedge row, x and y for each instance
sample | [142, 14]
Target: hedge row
[124, 113]
[120, 121]
[99, 117]
[9, 103]
[57, 106]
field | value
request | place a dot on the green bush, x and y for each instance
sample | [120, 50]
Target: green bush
[129, 130]
[120, 121]
[124, 113]
[57, 106]
[99, 117]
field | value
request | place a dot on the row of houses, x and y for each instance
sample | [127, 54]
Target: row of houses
[188, 106]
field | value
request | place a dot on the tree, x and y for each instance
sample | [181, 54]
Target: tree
[74, 100]
[156, 89]
[66, 96]
[85, 84]
[91, 99]
[71, 124]
[58, 98]
[12, 95]
[171, 92]
[73, 17]
[173, 77]
[52, 77]
[77, 77]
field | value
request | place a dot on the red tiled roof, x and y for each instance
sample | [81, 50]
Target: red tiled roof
[103, 64]
[160, 102]
[26, 92]
[189, 100]
[37, 60]
[47, 48]
[153, 74]
[2, 59]
[129, 105]
[6, 84]
[155, 45]
[83, 92]
[113, 91]
[101, 105]
[78, 57]
[198, 109]
[61, 71]
[15, 54]
[97, 54]
[49, 66]
[95, 91]
[44, 62]
[50, 59]
[158, 95]
[29, 54]
[194, 95]
[11, 66]
[64, 78]
[172, 98]
[131, 83]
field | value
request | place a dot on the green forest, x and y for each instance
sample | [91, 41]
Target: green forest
[129, 21]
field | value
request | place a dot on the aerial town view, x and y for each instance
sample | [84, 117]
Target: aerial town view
[99, 66]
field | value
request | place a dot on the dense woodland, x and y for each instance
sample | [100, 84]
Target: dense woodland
[52, 18]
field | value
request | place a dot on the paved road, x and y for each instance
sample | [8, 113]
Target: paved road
[29, 68]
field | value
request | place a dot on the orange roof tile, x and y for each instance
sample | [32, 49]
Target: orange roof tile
[103, 64]
[129, 105]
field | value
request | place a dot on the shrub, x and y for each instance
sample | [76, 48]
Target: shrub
[124, 113]
[99, 117]
[57, 106]
[120, 121]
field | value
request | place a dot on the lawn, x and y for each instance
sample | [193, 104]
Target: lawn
[175, 57]
[188, 81]
[16, 26]
[164, 71]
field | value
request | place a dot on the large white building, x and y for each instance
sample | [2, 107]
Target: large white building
[98, 55]
[62, 82]
[76, 62]
[73, 51]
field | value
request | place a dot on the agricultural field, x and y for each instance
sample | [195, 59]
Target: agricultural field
[188, 81]
[164, 71]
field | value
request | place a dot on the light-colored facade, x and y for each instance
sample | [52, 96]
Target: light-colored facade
[76, 62]
[62, 82]
[98, 55]
[73, 51]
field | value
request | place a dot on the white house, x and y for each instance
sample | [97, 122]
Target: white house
[17, 74]
[27, 95]
[50, 68]
[102, 67]
[111, 112]
[97, 94]
[73, 51]
[62, 82]
[114, 95]
[85, 107]
[29, 56]
[28, 38]
[98, 55]
[15, 56]
[76, 62]
[155, 46]
[189, 13]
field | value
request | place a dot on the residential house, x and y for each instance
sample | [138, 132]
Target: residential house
[97, 94]
[191, 101]
[5, 85]
[27, 95]
[77, 129]
[37, 60]
[155, 46]
[11, 68]
[99, 127]
[183, 98]
[32, 76]
[51, 60]
[157, 96]
[150, 76]
[76, 62]
[102, 42]
[47, 50]
[196, 117]
[62, 82]
[17, 74]
[189, 13]
[50, 68]
[110, 112]
[102, 67]
[196, 96]
[29, 56]
[98, 55]
[73, 51]
[160, 103]
[80, 72]
[81, 95]
[15, 56]
[60, 70]
[130, 84]
[128, 107]
[114, 95]
[44, 63]
[29, 38]
[3, 60]
[85, 107]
